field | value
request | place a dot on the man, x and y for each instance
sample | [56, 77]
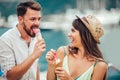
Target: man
[19, 49]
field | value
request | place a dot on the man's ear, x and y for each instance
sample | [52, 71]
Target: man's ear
[20, 19]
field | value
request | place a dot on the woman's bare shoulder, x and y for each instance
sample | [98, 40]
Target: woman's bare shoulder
[101, 64]
[100, 70]
[61, 51]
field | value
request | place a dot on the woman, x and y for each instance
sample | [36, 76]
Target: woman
[82, 60]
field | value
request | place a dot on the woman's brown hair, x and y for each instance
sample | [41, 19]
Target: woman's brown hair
[88, 42]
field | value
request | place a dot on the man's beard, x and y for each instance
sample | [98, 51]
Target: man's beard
[28, 31]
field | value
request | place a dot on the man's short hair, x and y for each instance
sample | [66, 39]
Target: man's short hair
[22, 7]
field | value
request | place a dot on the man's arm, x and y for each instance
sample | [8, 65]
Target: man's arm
[19, 70]
[16, 72]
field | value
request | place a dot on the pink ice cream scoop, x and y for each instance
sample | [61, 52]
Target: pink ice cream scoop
[37, 32]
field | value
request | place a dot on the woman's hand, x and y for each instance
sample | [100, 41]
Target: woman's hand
[50, 57]
[62, 74]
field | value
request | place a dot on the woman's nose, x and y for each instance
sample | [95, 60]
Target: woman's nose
[69, 34]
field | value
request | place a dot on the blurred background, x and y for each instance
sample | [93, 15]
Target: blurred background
[57, 16]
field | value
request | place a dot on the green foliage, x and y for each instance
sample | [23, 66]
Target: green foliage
[110, 4]
[7, 8]
[56, 6]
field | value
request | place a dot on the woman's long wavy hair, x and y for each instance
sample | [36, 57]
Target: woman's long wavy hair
[88, 42]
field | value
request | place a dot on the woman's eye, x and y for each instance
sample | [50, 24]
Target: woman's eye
[72, 30]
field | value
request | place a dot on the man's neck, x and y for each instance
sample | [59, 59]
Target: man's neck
[24, 35]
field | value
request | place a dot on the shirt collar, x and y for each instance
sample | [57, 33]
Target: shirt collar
[17, 32]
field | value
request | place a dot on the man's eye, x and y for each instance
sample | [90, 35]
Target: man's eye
[32, 19]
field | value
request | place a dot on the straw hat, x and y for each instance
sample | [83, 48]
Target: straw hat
[94, 26]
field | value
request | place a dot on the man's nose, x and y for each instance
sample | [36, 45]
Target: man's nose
[37, 22]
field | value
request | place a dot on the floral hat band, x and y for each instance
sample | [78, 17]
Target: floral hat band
[94, 26]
